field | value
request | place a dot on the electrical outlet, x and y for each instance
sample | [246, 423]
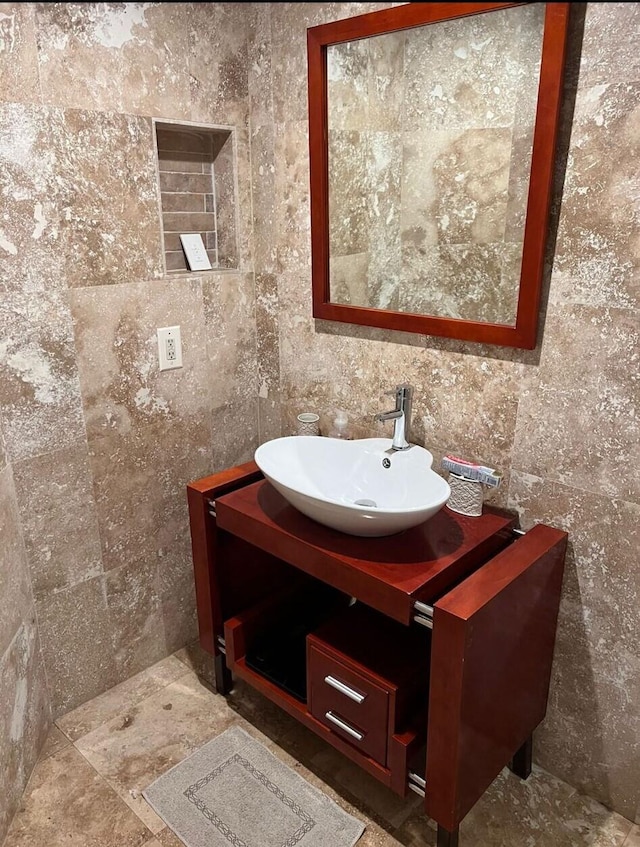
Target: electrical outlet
[169, 348]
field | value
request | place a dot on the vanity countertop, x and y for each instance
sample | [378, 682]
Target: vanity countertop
[388, 573]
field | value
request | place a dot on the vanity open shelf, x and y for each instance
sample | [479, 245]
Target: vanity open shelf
[425, 657]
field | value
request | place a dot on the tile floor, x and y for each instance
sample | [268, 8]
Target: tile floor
[85, 790]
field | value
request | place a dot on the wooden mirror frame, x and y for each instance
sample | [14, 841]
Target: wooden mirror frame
[523, 333]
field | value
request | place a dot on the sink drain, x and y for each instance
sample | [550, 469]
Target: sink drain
[371, 503]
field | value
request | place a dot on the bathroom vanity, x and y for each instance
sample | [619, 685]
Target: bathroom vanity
[424, 657]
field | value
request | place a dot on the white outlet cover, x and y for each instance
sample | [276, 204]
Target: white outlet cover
[195, 251]
[169, 347]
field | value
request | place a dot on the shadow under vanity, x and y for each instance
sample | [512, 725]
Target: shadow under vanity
[424, 657]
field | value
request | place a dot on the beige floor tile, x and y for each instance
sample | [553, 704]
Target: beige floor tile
[633, 839]
[197, 660]
[139, 745]
[418, 831]
[376, 836]
[541, 811]
[129, 736]
[116, 700]
[166, 838]
[302, 743]
[251, 705]
[514, 811]
[56, 741]
[68, 803]
[366, 793]
[584, 822]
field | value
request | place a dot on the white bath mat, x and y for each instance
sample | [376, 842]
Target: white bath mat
[233, 791]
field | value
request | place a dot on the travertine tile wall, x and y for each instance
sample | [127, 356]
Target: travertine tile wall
[99, 443]
[561, 422]
[25, 711]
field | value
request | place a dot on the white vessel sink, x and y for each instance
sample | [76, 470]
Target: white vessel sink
[344, 484]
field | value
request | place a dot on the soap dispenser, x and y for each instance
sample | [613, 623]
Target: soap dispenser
[340, 426]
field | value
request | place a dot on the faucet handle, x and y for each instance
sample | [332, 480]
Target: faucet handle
[404, 387]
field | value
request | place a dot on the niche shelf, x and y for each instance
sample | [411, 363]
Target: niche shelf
[197, 182]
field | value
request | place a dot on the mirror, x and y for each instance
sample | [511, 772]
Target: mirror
[432, 132]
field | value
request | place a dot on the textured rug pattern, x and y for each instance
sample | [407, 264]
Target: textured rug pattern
[233, 791]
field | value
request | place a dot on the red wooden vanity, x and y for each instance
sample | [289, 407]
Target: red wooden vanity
[425, 657]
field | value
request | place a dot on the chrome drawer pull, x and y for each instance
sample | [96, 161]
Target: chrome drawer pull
[344, 689]
[345, 726]
[419, 780]
[425, 614]
[417, 783]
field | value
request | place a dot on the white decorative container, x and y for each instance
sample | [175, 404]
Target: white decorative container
[466, 496]
[308, 424]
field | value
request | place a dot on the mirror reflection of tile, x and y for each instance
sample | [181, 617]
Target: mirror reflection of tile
[430, 140]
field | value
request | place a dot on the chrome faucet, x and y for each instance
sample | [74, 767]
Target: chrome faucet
[401, 416]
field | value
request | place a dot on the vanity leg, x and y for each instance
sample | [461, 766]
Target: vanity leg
[522, 760]
[447, 838]
[224, 680]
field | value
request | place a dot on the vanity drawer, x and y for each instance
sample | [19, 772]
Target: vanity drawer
[348, 703]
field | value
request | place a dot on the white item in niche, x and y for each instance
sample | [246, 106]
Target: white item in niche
[195, 251]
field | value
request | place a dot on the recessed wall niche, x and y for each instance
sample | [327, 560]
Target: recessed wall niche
[197, 191]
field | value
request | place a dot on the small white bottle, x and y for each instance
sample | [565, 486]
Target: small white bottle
[340, 426]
